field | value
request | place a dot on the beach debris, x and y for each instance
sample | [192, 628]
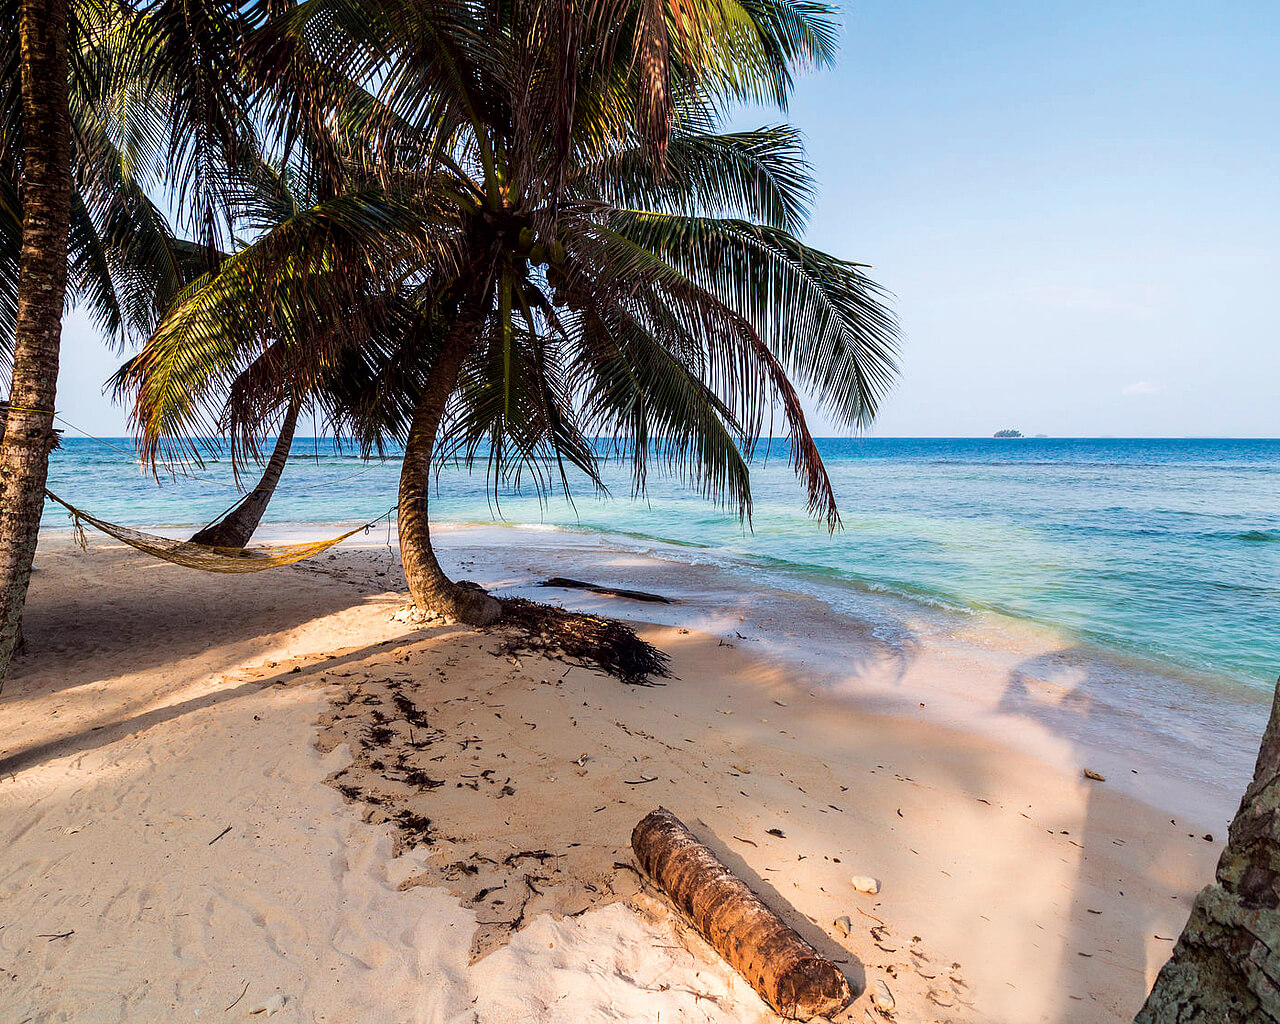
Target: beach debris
[565, 583]
[781, 703]
[237, 998]
[220, 835]
[739, 768]
[776, 832]
[269, 1006]
[844, 925]
[785, 970]
[865, 883]
[1094, 776]
[642, 780]
[881, 997]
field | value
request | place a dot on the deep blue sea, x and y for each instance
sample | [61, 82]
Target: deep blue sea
[1163, 549]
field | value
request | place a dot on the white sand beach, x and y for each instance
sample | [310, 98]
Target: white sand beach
[222, 795]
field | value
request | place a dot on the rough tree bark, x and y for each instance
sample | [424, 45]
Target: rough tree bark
[431, 589]
[42, 282]
[788, 973]
[1225, 968]
[236, 528]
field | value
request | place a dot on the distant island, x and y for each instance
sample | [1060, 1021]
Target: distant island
[1007, 433]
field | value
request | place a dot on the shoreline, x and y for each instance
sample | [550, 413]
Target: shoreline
[130, 722]
[1151, 726]
[1168, 736]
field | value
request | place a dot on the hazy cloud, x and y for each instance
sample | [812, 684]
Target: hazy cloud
[1142, 387]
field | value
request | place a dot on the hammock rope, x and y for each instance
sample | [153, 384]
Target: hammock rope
[204, 556]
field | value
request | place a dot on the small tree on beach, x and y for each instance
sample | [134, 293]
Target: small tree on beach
[1226, 965]
[577, 253]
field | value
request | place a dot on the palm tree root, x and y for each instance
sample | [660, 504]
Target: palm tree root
[576, 638]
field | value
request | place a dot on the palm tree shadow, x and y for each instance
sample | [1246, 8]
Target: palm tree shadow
[189, 621]
[1063, 691]
[113, 728]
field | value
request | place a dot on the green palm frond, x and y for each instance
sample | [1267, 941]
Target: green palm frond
[314, 268]
[638, 272]
[189, 52]
[823, 318]
[761, 175]
[652, 404]
[514, 403]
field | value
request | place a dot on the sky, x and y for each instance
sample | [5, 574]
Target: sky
[1075, 206]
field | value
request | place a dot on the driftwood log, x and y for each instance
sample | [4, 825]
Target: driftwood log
[565, 583]
[788, 973]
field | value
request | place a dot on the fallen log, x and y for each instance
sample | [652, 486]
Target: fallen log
[565, 583]
[788, 973]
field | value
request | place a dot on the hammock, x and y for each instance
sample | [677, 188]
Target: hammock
[204, 556]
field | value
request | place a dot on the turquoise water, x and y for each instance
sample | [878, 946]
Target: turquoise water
[1165, 549]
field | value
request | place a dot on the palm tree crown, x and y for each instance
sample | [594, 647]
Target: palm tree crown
[515, 263]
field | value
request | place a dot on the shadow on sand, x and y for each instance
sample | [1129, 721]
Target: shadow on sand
[1106, 943]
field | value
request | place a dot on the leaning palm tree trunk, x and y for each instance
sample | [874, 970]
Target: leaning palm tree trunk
[42, 282]
[432, 590]
[235, 528]
[1226, 965]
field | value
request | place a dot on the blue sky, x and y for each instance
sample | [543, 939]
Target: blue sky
[1076, 207]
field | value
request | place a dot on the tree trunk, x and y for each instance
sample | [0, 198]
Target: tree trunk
[1226, 965]
[235, 528]
[42, 282]
[432, 590]
[788, 973]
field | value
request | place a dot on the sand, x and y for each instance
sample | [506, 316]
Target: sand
[224, 794]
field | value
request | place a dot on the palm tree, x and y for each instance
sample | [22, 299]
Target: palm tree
[571, 311]
[563, 283]
[235, 528]
[88, 105]
[42, 275]
[151, 97]
[202, 382]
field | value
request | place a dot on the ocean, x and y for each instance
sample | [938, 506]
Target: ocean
[1164, 550]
